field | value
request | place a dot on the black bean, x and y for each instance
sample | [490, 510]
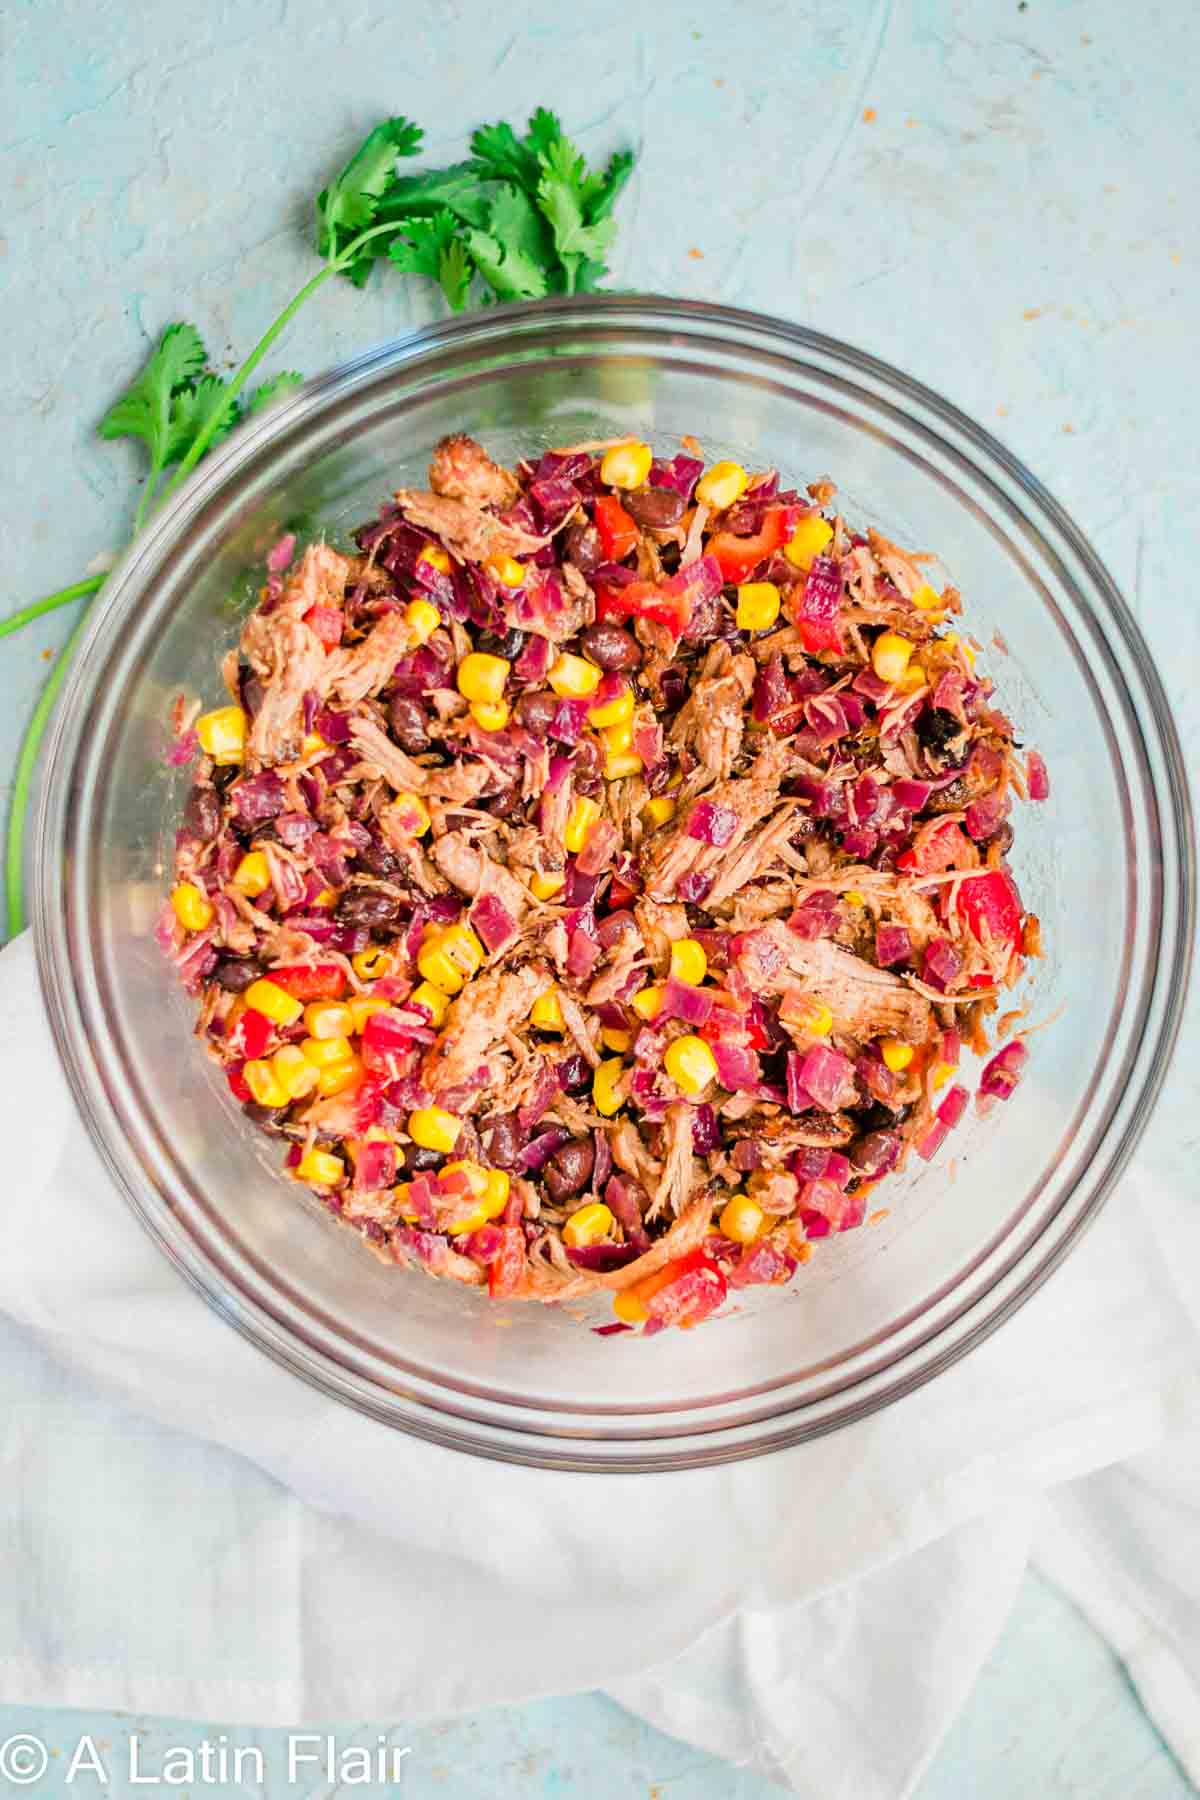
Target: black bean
[535, 711]
[202, 814]
[949, 799]
[1002, 837]
[874, 1153]
[369, 906]
[378, 860]
[417, 1160]
[656, 508]
[936, 728]
[581, 546]
[505, 802]
[235, 973]
[224, 778]
[407, 720]
[570, 1169]
[508, 644]
[270, 1119]
[611, 647]
[500, 1140]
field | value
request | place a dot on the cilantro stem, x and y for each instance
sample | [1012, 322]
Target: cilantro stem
[31, 744]
[51, 603]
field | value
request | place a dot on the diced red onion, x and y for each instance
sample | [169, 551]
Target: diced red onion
[681, 473]
[1037, 777]
[583, 953]
[892, 945]
[183, 750]
[871, 686]
[281, 553]
[820, 604]
[578, 888]
[294, 829]
[598, 847]
[942, 965]
[693, 887]
[798, 1097]
[816, 917]
[680, 1000]
[1001, 1075]
[875, 1153]
[825, 719]
[570, 717]
[375, 1166]
[912, 795]
[984, 815]
[746, 1155]
[711, 823]
[772, 691]
[953, 1106]
[815, 1224]
[621, 1198]
[737, 1067]
[951, 1050]
[493, 922]
[837, 1168]
[808, 1162]
[706, 1134]
[648, 742]
[533, 664]
[554, 498]
[860, 841]
[827, 1076]
[257, 798]
[855, 711]
[761, 1265]
[540, 1149]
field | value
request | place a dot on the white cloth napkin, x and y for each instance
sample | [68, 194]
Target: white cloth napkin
[820, 1613]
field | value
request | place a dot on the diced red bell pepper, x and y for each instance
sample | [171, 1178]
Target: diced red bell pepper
[327, 623]
[940, 850]
[250, 1034]
[738, 556]
[237, 1084]
[506, 1271]
[311, 981]
[384, 1041]
[618, 532]
[992, 900]
[621, 894]
[695, 1288]
[644, 600]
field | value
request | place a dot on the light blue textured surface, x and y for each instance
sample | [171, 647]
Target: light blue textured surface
[999, 198]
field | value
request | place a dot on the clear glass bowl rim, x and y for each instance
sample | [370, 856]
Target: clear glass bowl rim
[560, 1443]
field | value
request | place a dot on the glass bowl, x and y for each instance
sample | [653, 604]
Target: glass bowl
[1106, 863]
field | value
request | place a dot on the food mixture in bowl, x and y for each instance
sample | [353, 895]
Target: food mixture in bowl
[594, 879]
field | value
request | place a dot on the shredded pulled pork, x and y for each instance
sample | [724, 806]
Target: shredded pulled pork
[642, 968]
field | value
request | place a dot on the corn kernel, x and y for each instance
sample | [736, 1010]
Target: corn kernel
[339, 1076]
[266, 997]
[583, 816]
[942, 1073]
[468, 1222]
[191, 907]
[362, 1006]
[294, 1071]
[326, 897]
[327, 1053]
[422, 616]
[628, 1308]
[618, 738]
[648, 1003]
[436, 1004]
[952, 641]
[620, 763]
[855, 896]
[410, 814]
[896, 1055]
[757, 605]
[263, 1081]
[606, 1096]
[626, 465]
[688, 961]
[741, 1219]
[546, 1014]
[812, 1017]
[436, 557]
[808, 540]
[311, 743]
[507, 570]
[496, 1197]
[490, 715]
[434, 1129]
[912, 678]
[543, 887]
[926, 598]
[573, 677]
[616, 1041]
[890, 655]
[447, 958]
[222, 735]
[660, 810]
[613, 712]
[482, 677]
[477, 1177]
[321, 1167]
[590, 1225]
[690, 1063]
[721, 485]
[328, 1019]
[370, 964]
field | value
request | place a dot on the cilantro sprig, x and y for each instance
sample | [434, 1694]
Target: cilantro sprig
[523, 217]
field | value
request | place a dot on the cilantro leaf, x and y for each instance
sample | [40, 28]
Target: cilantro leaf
[348, 205]
[563, 193]
[432, 247]
[606, 188]
[499, 155]
[276, 387]
[144, 409]
[192, 410]
[516, 222]
[545, 128]
[508, 271]
[416, 196]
